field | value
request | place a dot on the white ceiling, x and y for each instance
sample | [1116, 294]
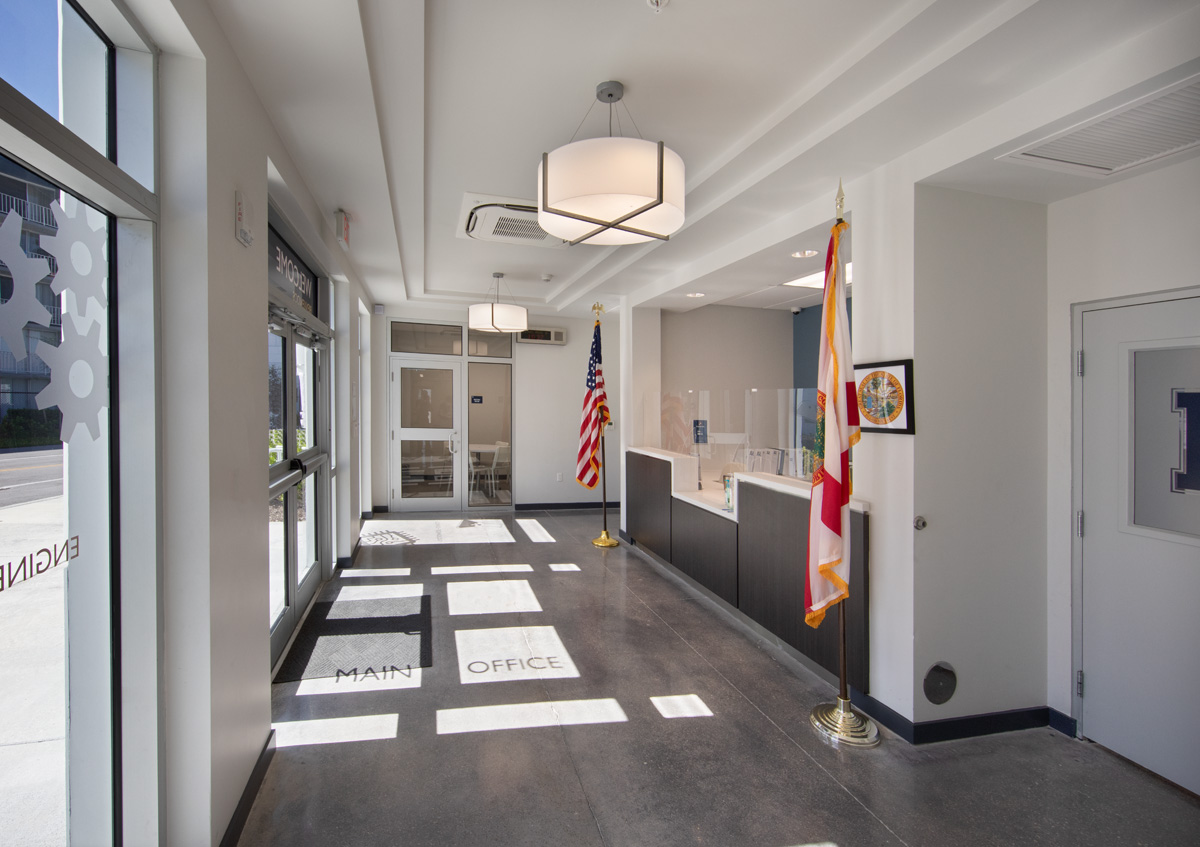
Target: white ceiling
[395, 109]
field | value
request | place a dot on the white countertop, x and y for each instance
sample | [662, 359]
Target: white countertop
[712, 497]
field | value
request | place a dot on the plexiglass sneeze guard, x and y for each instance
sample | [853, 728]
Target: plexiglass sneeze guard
[758, 430]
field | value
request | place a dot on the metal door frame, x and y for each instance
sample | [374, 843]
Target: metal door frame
[455, 503]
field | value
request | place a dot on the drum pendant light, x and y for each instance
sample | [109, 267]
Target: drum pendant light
[611, 190]
[496, 316]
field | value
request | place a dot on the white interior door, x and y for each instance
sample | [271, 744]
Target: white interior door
[1141, 535]
[425, 444]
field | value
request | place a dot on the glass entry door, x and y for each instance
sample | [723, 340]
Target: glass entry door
[425, 447]
[299, 474]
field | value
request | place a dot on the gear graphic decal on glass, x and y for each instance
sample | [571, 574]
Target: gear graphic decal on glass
[80, 250]
[78, 379]
[22, 306]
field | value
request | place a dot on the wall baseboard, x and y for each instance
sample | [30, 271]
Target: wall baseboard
[1065, 724]
[545, 507]
[366, 516]
[241, 814]
[882, 715]
[378, 510]
[969, 726]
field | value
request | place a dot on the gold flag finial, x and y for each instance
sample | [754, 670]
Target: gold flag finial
[597, 309]
[839, 201]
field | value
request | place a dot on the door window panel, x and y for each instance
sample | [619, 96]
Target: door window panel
[277, 557]
[306, 525]
[427, 398]
[275, 405]
[426, 469]
[305, 387]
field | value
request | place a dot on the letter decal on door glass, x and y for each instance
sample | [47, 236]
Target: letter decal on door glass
[1186, 478]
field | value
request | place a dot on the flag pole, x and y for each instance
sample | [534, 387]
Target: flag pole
[838, 722]
[605, 540]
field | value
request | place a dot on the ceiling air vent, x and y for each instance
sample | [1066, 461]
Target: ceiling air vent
[503, 220]
[1158, 125]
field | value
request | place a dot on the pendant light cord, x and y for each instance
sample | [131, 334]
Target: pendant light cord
[611, 108]
[585, 117]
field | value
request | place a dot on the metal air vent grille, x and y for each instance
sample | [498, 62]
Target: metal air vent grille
[1162, 124]
[507, 227]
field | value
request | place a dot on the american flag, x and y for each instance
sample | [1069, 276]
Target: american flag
[595, 416]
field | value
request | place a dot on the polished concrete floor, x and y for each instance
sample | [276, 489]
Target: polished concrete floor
[579, 754]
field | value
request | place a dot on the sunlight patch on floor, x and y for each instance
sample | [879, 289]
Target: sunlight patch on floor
[681, 706]
[336, 730]
[535, 530]
[388, 679]
[455, 531]
[529, 715]
[512, 653]
[470, 569]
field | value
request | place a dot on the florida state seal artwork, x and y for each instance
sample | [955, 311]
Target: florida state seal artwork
[885, 396]
[880, 398]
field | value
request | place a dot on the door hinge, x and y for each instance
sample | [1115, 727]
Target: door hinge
[1079, 363]
[1079, 683]
[1079, 523]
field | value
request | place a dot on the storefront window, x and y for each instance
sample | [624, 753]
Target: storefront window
[55, 520]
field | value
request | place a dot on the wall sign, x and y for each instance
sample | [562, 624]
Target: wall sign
[700, 431]
[476, 398]
[287, 273]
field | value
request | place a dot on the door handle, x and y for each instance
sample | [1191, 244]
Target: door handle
[450, 442]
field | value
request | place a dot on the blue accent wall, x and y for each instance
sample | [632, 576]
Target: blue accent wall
[806, 344]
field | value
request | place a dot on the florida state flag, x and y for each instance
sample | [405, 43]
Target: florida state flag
[827, 578]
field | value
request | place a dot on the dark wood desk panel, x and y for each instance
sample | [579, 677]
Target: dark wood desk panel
[648, 490]
[704, 546]
[772, 555]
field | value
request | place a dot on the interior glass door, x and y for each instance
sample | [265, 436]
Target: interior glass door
[425, 444]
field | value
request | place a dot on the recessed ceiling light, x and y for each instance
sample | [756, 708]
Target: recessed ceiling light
[817, 280]
[695, 294]
[804, 254]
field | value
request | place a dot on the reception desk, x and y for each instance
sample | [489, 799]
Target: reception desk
[752, 557]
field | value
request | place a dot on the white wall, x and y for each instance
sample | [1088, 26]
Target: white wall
[979, 566]
[548, 390]
[641, 384]
[214, 139]
[882, 205]
[726, 348]
[1132, 237]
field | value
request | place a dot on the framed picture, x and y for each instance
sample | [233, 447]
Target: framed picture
[885, 396]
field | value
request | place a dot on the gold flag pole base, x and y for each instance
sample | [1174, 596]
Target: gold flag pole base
[605, 540]
[839, 723]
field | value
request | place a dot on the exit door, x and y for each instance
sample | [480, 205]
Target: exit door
[425, 444]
